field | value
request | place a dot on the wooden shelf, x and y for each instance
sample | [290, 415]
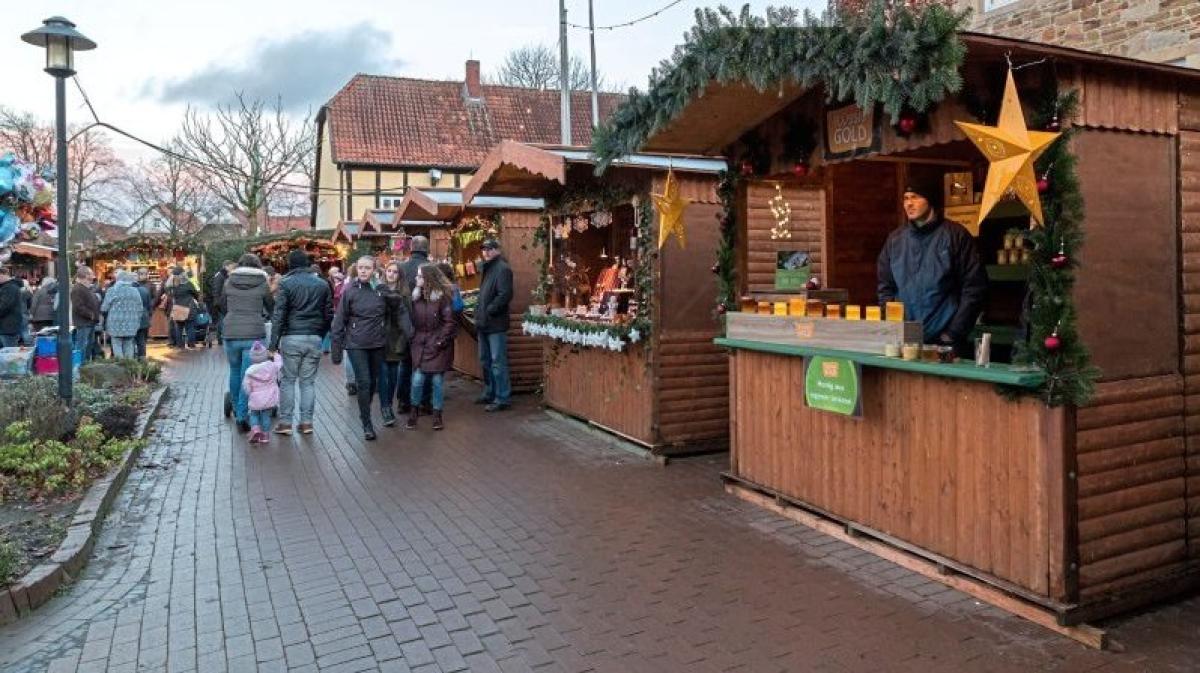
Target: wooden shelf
[995, 373]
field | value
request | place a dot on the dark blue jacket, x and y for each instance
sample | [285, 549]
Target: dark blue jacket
[935, 271]
[303, 306]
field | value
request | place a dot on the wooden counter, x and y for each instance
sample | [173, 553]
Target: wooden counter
[939, 461]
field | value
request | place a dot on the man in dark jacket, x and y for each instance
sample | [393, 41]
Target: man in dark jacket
[143, 334]
[11, 310]
[303, 312]
[42, 308]
[419, 256]
[491, 323]
[216, 295]
[85, 310]
[931, 264]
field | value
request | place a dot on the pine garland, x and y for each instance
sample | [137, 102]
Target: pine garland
[727, 187]
[900, 58]
[1070, 377]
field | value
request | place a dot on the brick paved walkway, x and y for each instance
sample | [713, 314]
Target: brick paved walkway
[508, 543]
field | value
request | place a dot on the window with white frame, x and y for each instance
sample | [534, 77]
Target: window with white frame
[390, 202]
[990, 5]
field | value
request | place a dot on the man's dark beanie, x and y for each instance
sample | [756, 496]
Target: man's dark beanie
[298, 259]
[928, 185]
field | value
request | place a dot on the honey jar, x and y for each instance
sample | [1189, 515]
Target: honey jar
[796, 306]
[814, 308]
[874, 313]
[781, 308]
[895, 311]
[910, 352]
[764, 308]
[749, 305]
[853, 312]
[833, 311]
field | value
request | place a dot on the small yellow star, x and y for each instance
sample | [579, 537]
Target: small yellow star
[1011, 148]
[670, 206]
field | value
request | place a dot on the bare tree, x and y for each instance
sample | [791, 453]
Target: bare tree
[173, 184]
[536, 66]
[93, 168]
[250, 151]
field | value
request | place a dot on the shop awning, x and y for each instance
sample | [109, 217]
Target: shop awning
[35, 250]
[429, 205]
[378, 220]
[347, 230]
[518, 169]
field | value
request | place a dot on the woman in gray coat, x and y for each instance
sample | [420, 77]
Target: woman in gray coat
[246, 303]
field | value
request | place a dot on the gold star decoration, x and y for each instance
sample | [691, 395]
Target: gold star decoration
[1011, 149]
[670, 206]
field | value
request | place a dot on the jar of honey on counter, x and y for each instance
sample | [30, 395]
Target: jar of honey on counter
[796, 306]
[833, 311]
[749, 305]
[781, 308]
[853, 312]
[874, 313]
[764, 308]
[895, 311]
[814, 308]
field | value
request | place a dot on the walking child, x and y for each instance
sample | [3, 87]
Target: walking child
[261, 386]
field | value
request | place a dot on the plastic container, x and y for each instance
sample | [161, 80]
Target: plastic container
[46, 346]
[15, 362]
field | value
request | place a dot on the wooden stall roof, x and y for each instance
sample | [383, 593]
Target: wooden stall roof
[378, 220]
[443, 205]
[520, 169]
[35, 250]
[347, 230]
[1116, 93]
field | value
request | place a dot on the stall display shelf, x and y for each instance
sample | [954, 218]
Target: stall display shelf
[994, 373]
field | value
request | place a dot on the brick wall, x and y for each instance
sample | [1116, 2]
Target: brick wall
[1153, 30]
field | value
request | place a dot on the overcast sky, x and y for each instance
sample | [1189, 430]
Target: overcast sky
[155, 57]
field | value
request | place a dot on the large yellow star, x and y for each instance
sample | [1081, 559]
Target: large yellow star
[670, 206]
[1011, 148]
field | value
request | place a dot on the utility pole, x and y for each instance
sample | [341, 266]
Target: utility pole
[595, 93]
[564, 74]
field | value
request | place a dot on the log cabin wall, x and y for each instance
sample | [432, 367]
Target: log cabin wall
[1189, 221]
[1131, 441]
[863, 208]
[807, 200]
[612, 390]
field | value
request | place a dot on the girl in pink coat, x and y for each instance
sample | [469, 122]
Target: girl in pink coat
[261, 386]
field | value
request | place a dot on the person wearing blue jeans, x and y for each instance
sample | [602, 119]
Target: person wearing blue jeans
[491, 324]
[246, 301]
[303, 311]
[85, 311]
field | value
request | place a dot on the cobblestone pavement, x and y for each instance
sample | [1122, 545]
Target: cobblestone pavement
[506, 543]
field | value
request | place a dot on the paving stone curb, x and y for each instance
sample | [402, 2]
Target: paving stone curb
[40, 583]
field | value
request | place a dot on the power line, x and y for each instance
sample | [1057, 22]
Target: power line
[631, 22]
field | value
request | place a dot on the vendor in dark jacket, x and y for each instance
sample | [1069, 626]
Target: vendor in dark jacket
[360, 332]
[932, 265]
[85, 310]
[303, 312]
[491, 323]
[11, 310]
[417, 258]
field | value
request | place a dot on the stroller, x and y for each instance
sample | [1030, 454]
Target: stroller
[205, 332]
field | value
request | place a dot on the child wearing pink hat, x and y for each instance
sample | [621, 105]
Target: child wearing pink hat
[261, 386]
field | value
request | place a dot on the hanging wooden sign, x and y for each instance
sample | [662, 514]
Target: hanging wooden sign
[851, 131]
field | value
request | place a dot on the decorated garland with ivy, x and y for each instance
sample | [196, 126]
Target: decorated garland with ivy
[897, 57]
[726, 267]
[1054, 343]
[615, 337]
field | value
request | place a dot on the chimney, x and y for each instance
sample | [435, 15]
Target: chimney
[472, 85]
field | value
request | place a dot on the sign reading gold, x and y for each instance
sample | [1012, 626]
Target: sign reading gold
[850, 131]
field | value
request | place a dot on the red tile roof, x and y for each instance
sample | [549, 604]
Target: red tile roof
[398, 121]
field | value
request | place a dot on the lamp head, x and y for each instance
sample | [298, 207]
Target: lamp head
[60, 40]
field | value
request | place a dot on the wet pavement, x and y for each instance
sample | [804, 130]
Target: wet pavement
[510, 542]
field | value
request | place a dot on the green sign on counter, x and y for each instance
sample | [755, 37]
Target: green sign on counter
[832, 384]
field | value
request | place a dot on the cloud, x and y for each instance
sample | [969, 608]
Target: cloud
[303, 70]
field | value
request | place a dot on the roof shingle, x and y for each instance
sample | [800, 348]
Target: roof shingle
[393, 121]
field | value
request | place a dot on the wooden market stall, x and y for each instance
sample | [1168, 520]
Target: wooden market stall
[511, 220]
[323, 249]
[626, 326]
[33, 261]
[1012, 475]
[157, 254]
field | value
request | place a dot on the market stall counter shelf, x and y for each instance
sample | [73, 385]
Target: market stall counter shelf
[1072, 506]
[652, 375]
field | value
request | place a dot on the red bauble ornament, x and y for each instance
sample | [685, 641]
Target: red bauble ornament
[1059, 261]
[813, 283]
[747, 168]
[1043, 185]
[1053, 343]
[716, 268]
[800, 169]
[907, 124]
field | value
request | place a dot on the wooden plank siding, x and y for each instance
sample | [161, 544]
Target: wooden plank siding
[946, 465]
[613, 390]
[807, 227]
[1189, 223]
[692, 388]
[1131, 453]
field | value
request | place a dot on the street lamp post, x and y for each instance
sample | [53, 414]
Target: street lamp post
[60, 40]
